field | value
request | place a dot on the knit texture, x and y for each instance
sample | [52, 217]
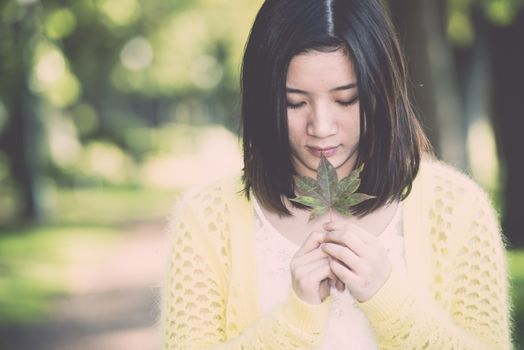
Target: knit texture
[203, 308]
[455, 295]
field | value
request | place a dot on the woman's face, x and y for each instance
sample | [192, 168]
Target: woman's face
[323, 111]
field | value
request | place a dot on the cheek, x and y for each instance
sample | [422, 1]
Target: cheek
[294, 140]
[295, 130]
[352, 126]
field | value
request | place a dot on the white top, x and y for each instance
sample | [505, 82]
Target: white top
[347, 326]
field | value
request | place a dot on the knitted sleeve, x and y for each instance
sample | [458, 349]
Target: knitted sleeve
[197, 290]
[469, 308]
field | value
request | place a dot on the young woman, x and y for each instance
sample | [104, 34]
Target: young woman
[420, 266]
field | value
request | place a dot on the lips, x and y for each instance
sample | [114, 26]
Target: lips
[327, 151]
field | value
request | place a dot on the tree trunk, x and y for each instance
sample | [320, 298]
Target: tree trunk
[508, 117]
[21, 137]
[421, 25]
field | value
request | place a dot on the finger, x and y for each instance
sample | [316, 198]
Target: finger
[364, 235]
[314, 255]
[335, 225]
[342, 272]
[349, 240]
[305, 270]
[321, 272]
[331, 276]
[345, 255]
[312, 241]
[334, 280]
[324, 289]
[318, 266]
[340, 285]
[310, 276]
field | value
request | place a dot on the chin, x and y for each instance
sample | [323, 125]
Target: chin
[343, 165]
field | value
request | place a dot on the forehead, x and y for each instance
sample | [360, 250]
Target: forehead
[318, 71]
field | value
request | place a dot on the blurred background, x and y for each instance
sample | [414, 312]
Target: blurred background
[110, 108]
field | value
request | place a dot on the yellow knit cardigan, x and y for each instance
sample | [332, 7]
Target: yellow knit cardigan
[455, 295]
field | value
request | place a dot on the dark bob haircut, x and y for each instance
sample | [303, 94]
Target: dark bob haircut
[392, 141]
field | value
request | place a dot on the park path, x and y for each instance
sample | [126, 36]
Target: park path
[114, 304]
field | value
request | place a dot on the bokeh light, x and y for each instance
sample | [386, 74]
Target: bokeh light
[52, 77]
[501, 12]
[482, 151]
[106, 161]
[203, 155]
[137, 54]
[60, 23]
[64, 147]
[119, 12]
[206, 72]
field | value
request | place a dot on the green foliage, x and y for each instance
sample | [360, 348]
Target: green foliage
[516, 272]
[93, 72]
[110, 206]
[327, 193]
[60, 23]
[460, 25]
[33, 266]
[105, 53]
[502, 12]
[34, 261]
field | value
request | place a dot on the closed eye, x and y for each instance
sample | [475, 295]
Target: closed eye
[348, 103]
[295, 105]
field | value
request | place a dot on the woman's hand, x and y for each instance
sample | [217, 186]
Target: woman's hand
[310, 271]
[357, 258]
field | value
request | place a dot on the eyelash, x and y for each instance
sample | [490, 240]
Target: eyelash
[342, 103]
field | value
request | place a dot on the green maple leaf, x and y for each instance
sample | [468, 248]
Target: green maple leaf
[326, 193]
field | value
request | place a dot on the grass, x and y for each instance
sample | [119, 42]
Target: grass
[33, 266]
[34, 260]
[516, 271]
[110, 206]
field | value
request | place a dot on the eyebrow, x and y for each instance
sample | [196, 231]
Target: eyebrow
[338, 88]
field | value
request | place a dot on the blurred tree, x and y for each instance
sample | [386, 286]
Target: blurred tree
[422, 29]
[466, 65]
[21, 137]
[507, 48]
[98, 68]
[84, 71]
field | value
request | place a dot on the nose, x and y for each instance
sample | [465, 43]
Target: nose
[321, 122]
